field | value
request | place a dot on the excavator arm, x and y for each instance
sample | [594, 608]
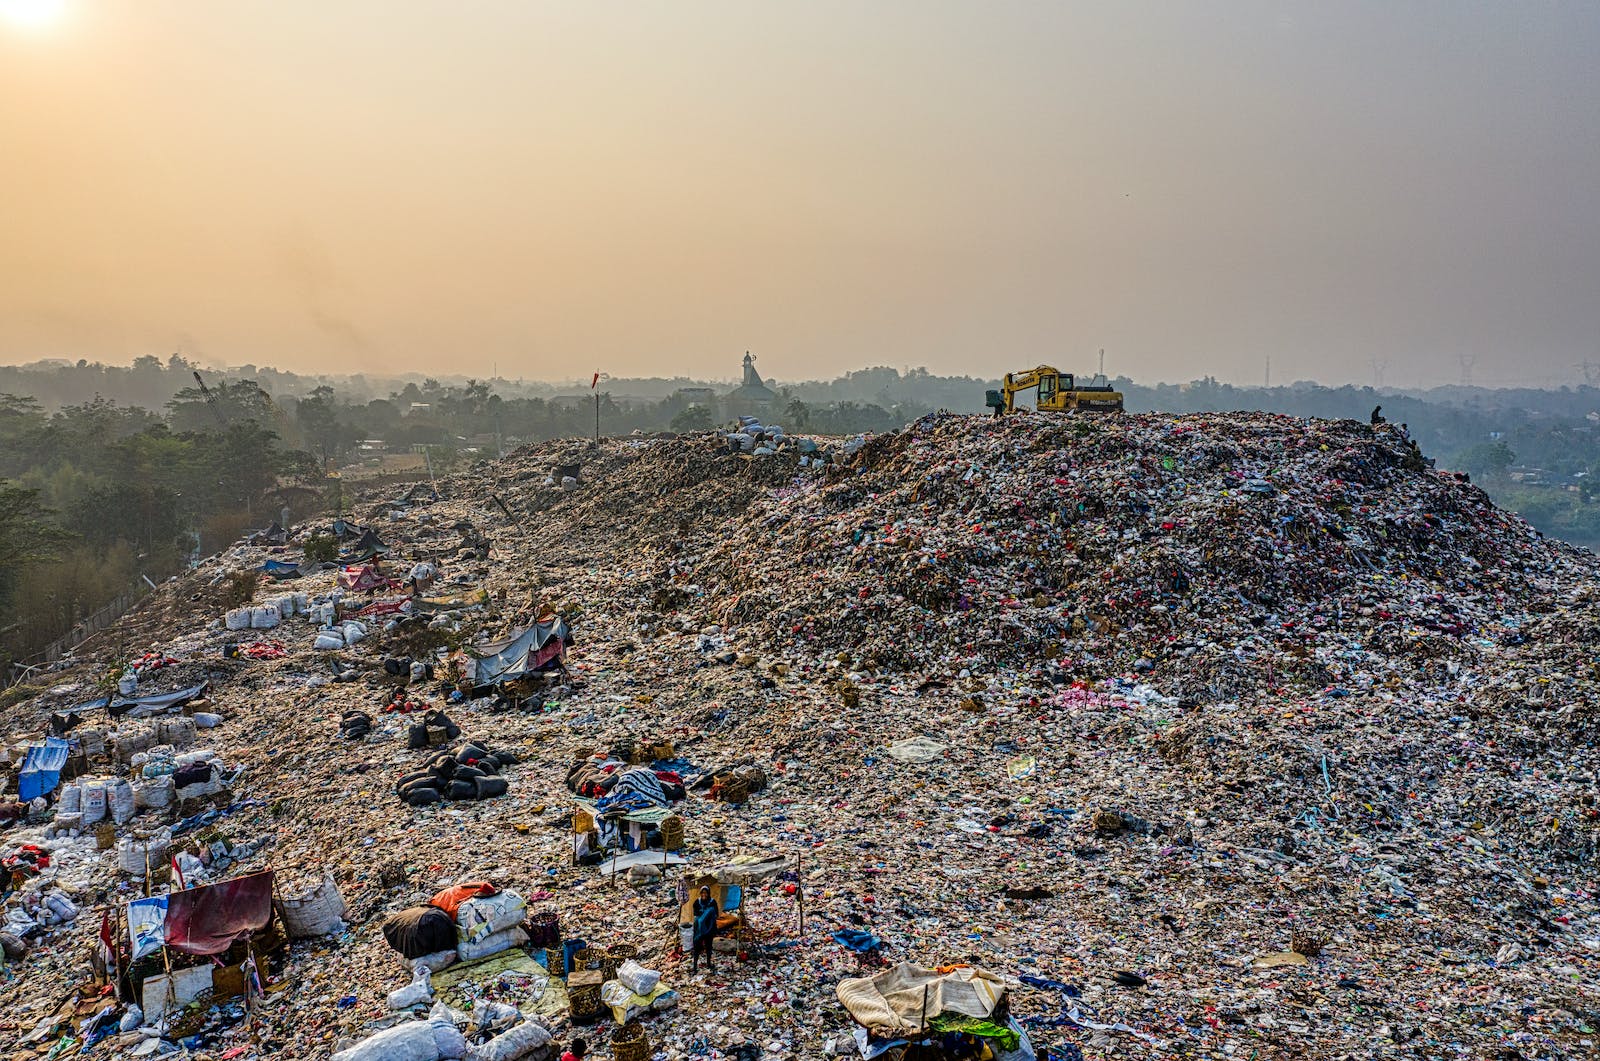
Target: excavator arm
[1047, 379]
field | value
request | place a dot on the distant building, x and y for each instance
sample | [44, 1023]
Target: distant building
[752, 397]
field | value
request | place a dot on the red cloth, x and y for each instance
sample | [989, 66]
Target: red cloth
[208, 919]
[450, 899]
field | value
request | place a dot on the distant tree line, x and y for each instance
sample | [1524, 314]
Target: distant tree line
[109, 472]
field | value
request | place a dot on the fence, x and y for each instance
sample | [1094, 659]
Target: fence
[119, 606]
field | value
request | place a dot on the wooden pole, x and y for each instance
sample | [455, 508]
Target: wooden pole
[800, 893]
[922, 1024]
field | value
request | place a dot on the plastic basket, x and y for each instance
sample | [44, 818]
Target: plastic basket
[544, 928]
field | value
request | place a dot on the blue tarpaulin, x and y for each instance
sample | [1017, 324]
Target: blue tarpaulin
[41, 769]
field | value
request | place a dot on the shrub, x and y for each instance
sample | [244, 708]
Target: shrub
[240, 588]
[323, 548]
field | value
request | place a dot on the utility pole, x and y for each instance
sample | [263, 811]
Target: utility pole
[1267, 385]
[1102, 361]
[1377, 372]
[594, 385]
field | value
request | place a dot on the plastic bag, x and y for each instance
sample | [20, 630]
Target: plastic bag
[511, 937]
[93, 803]
[520, 1041]
[121, 802]
[419, 990]
[637, 978]
[480, 918]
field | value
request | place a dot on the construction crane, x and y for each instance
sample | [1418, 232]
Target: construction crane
[211, 400]
[1059, 392]
[278, 414]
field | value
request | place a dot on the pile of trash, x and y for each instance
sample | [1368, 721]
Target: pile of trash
[1149, 737]
[1189, 549]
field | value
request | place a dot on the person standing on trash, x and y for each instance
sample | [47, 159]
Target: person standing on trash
[705, 928]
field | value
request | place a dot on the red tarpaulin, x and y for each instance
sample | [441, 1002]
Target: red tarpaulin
[207, 920]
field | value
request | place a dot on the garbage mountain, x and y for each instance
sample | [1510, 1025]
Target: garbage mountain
[1194, 736]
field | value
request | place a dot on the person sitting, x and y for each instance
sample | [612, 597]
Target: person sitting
[577, 1051]
[1377, 415]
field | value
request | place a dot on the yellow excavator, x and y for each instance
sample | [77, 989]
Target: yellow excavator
[1059, 392]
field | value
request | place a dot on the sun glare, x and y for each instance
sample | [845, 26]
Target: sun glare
[32, 14]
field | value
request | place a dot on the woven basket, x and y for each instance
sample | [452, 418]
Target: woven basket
[588, 958]
[584, 1003]
[608, 968]
[582, 821]
[554, 962]
[661, 750]
[630, 1043]
[105, 836]
[1307, 942]
[621, 952]
[735, 790]
[315, 914]
[672, 833]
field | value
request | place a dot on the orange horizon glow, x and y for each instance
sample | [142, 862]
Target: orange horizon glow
[396, 185]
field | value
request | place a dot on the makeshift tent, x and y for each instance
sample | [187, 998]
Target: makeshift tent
[140, 706]
[365, 580]
[155, 704]
[344, 529]
[365, 548]
[209, 919]
[727, 883]
[273, 535]
[634, 822]
[525, 652]
[906, 999]
[41, 768]
[283, 571]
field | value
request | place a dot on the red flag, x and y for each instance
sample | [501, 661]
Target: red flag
[594, 382]
[108, 951]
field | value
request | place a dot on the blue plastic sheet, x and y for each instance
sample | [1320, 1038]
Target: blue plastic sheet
[41, 769]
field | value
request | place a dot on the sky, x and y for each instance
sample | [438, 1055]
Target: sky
[1401, 193]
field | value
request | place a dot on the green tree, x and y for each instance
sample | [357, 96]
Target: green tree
[693, 418]
[798, 413]
[1486, 460]
[28, 536]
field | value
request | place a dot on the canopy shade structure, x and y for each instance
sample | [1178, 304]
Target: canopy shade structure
[525, 652]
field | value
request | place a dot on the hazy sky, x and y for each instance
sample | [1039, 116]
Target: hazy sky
[653, 188]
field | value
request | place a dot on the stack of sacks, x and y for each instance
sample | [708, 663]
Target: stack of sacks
[472, 772]
[355, 725]
[489, 924]
[424, 936]
[344, 635]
